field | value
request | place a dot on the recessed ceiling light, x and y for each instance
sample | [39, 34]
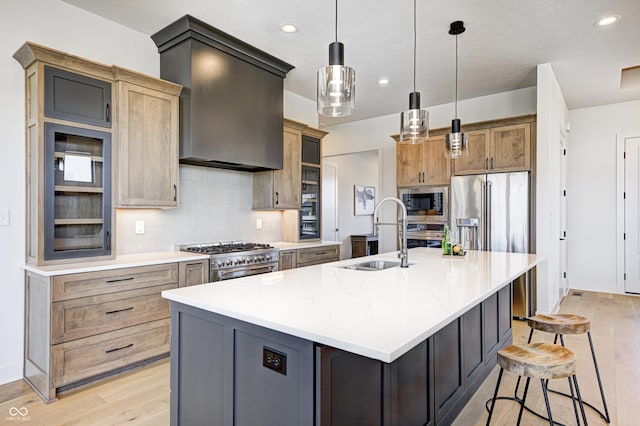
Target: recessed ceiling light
[383, 81]
[607, 20]
[289, 28]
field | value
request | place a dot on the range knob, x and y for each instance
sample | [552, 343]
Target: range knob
[220, 263]
[240, 261]
[268, 257]
[229, 262]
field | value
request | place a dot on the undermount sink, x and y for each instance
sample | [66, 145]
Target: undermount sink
[372, 265]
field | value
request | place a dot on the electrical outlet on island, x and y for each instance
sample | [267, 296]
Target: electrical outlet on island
[139, 227]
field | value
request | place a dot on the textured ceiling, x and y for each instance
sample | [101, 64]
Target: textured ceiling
[504, 41]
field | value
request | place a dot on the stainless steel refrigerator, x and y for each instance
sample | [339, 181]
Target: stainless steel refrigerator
[500, 203]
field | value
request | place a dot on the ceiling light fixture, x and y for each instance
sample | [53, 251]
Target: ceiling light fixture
[607, 20]
[456, 141]
[289, 28]
[336, 83]
[383, 81]
[414, 123]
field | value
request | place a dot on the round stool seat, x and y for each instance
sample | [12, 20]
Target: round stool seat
[560, 323]
[538, 360]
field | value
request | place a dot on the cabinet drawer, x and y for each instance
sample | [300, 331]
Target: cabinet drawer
[73, 286]
[315, 255]
[83, 358]
[87, 316]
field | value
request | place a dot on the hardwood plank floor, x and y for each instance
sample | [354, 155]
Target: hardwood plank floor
[142, 396]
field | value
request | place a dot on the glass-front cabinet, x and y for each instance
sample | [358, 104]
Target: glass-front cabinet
[77, 202]
[310, 211]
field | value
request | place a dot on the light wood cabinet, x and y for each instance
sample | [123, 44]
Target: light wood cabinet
[147, 154]
[193, 273]
[497, 149]
[81, 326]
[287, 260]
[317, 255]
[422, 164]
[280, 189]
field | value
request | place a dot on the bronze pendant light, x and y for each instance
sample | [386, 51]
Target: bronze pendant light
[414, 122]
[456, 141]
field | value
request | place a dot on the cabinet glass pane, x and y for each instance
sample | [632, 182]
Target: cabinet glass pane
[310, 211]
[77, 192]
[310, 150]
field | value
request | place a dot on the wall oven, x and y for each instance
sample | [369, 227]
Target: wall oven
[428, 204]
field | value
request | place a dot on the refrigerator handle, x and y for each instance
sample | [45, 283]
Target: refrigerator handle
[483, 209]
[489, 218]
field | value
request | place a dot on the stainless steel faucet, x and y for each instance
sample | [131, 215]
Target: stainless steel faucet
[404, 257]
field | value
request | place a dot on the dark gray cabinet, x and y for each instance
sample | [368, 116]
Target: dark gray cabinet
[218, 373]
[77, 192]
[78, 98]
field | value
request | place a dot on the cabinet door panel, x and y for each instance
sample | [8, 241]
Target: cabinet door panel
[511, 148]
[193, 273]
[74, 97]
[350, 389]
[472, 343]
[408, 164]
[437, 168]
[477, 160]
[490, 327]
[448, 384]
[286, 182]
[148, 154]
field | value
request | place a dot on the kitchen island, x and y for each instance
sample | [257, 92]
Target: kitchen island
[327, 344]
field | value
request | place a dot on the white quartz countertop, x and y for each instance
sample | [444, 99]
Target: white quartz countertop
[122, 261]
[306, 244]
[377, 314]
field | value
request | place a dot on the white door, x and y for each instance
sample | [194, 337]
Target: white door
[330, 201]
[632, 215]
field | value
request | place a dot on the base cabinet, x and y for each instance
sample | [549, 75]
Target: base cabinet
[83, 326]
[270, 378]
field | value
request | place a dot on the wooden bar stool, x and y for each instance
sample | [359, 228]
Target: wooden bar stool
[560, 324]
[541, 361]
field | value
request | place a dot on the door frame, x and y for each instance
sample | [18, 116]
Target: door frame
[335, 201]
[620, 177]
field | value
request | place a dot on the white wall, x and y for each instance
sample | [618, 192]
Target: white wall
[591, 188]
[551, 120]
[215, 203]
[354, 169]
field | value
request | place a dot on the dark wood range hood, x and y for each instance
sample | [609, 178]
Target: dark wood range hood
[231, 106]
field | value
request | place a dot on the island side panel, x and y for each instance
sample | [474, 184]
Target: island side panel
[218, 372]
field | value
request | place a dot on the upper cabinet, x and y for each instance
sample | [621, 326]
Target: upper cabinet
[422, 164]
[147, 154]
[68, 148]
[498, 147]
[280, 189]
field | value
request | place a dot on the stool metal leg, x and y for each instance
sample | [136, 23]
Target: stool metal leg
[515, 394]
[595, 364]
[546, 401]
[573, 398]
[524, 398]
[584, 415]
[495, 395]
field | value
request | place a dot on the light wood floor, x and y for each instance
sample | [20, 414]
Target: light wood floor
[142, 396]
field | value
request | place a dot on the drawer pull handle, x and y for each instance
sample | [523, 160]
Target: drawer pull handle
[321, 253]
[194, 264]
[108, 351]
[119, 310]
[117, 280]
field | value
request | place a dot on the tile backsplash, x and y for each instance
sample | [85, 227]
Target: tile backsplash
[214, 205]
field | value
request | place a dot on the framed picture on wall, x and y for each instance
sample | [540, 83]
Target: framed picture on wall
[364, 200]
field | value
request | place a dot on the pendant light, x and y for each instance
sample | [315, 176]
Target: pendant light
[456, 141]
[414, 123]
[336, 83]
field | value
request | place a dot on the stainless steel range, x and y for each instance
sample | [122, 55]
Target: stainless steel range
[236, 259]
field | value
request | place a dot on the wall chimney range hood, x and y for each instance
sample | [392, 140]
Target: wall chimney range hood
[231, 104]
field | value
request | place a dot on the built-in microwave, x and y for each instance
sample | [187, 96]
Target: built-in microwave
[428, 204]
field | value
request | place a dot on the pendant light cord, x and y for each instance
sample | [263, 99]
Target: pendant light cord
[336, 20]
[414, 45]
[456, 103]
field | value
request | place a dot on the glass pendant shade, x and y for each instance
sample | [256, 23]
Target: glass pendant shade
[414, 122]
[336, 85]
[456, 142]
